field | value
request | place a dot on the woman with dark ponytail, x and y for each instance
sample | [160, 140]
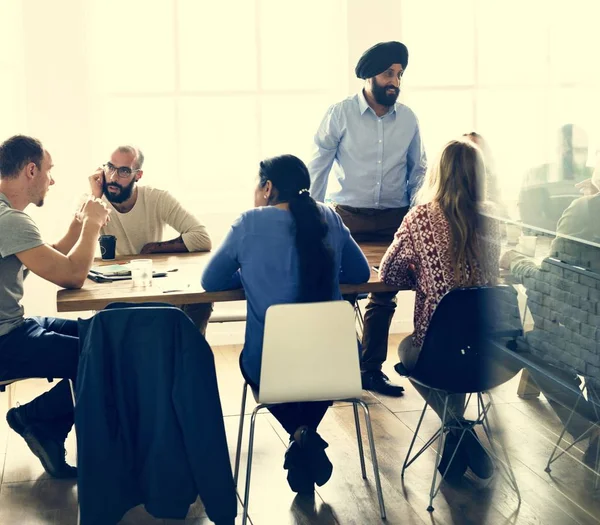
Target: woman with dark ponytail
[288, 249]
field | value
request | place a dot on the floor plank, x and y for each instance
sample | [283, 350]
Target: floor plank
[528, 427]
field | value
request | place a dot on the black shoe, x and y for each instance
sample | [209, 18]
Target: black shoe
[314, 447]
[478, 459]
[458, 467]
[16, 421]
[377, 381]
[50, 452]
[296, 463]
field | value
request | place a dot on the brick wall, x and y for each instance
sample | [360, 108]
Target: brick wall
[563, 301]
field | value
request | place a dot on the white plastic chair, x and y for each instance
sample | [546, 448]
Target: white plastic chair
[310, 353]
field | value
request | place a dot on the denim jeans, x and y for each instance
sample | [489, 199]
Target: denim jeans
[44, 347]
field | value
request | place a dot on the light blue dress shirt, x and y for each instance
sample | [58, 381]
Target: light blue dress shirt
[379, 162]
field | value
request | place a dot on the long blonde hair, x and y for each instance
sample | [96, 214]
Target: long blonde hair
[456, 183]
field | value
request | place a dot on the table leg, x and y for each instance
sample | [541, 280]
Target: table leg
[527, 387]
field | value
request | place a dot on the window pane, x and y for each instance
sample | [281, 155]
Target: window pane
[574, 41]
[217, 51]
[302, 44]
[219, 151]
[131, 46]
[12, 29]
[441, 46]
[290, 122]
[125, 121]
[443, 116]
[12, 103]
[512, 42]
[514, 123]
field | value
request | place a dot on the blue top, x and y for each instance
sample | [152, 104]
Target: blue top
[379, 162]
[261, 245]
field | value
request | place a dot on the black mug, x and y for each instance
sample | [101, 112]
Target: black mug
[108, 244]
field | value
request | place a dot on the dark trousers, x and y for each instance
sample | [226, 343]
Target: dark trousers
[44, 347]
[199, 313]
[366, 224]
[294, 415]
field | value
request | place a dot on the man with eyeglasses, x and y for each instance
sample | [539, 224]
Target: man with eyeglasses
[140, 214]
[372, 145]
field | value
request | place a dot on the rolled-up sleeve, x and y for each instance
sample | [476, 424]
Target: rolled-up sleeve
[192, 231]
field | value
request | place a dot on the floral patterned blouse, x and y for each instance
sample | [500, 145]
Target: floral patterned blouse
[419, 257]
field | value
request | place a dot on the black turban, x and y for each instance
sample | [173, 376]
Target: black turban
[378, 58]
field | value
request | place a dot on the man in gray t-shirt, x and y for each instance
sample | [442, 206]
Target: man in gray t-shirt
[40, 347]
[19, 233]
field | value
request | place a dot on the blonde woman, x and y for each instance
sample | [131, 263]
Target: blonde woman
[446, 242]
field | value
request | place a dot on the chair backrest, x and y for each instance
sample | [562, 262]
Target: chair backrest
[310, 353]
[461, 351]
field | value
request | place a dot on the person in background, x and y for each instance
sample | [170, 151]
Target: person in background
[40, 346]
[444, 243]
[288, 249]
[141, 213]
[549, 189]
[576, 243]
[372, 144]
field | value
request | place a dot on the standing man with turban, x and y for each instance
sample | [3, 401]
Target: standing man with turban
[374, 147]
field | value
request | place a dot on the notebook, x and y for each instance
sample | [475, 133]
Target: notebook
[115, 272]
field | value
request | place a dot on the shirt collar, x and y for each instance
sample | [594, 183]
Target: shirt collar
[363, 105]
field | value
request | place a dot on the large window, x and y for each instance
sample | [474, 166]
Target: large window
[12, 94]
[209, 89]
[514, 71]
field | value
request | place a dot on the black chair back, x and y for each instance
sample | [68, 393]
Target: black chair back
[462, 351]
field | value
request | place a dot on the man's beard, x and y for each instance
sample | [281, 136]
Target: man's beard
[117, 198]
[381, 95]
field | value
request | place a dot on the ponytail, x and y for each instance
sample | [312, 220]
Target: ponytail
[289, 176]
[314, 255]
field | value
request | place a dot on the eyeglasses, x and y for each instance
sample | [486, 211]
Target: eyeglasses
[123, 172]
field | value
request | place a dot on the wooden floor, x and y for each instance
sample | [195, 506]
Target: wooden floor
[529, 428]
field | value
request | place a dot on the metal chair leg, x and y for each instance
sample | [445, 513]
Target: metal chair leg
[238, 449]
[361, 452]
[412, 443]
[72, 388]
[359, 319]
[551, 459]
[438, 457]
[10, 395]
[249, 464]
[373, 457]
[506, 464]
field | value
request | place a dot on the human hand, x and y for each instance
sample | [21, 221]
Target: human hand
[96, 183]
[587, 187]
[148, 248]
[95, 211]
[507, 258]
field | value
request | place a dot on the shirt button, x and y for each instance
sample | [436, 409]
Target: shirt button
[378, 162]
[378, 184]
[379, 140]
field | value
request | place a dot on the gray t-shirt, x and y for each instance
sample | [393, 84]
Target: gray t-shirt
[18, 233]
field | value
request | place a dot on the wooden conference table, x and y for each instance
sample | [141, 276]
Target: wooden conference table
[183, 285]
